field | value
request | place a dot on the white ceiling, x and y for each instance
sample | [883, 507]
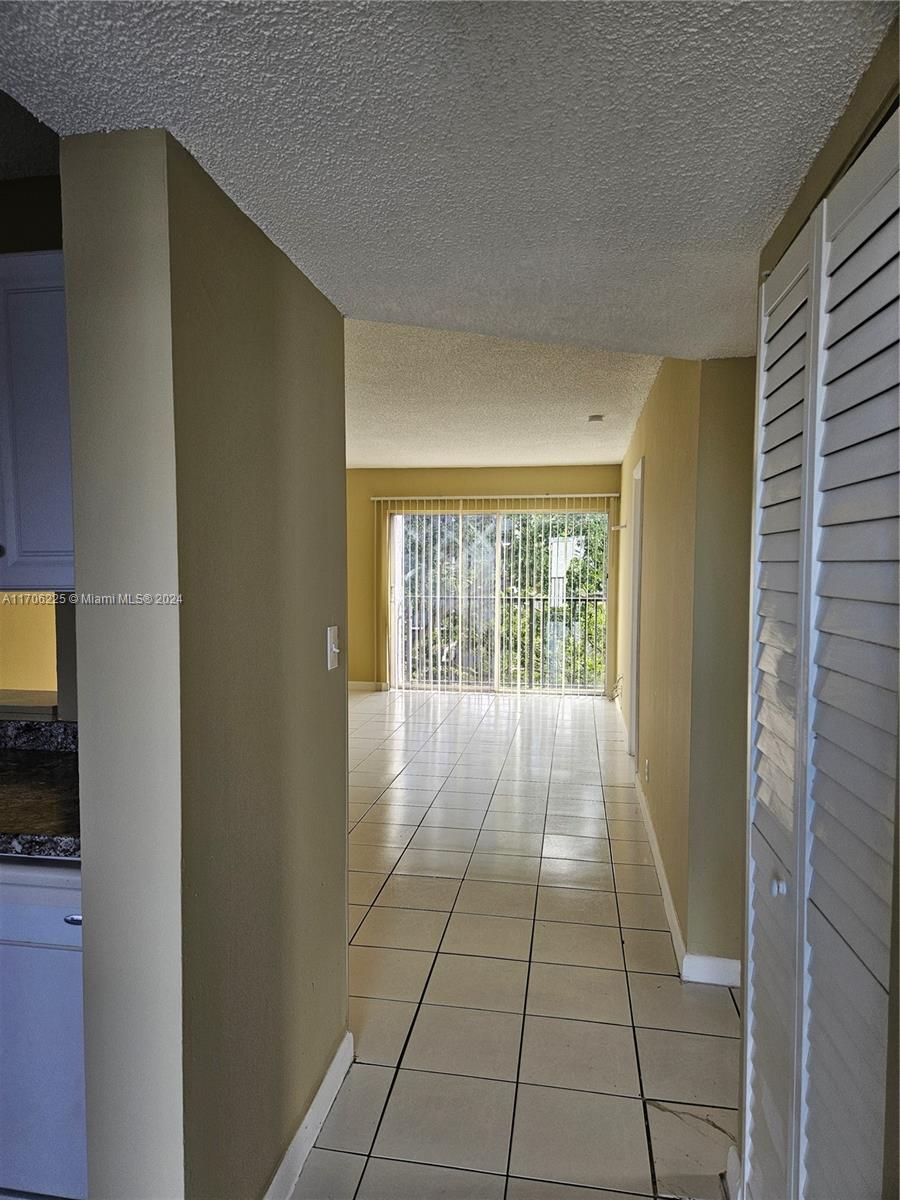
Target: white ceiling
[602, 174]
[428, 398]
[590, 174]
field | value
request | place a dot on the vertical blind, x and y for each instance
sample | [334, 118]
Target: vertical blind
[493, 593]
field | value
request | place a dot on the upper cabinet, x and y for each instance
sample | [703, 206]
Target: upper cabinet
[35, 462]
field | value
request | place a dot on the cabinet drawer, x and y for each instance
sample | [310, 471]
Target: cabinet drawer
[35, 899]
[39, 924]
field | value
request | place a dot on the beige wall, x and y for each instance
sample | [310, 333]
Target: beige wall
[27, 641]
[365, 663]
[666, 438]
[115, 216]
[207, 400]
[695, 435]
[719, 672]
[259, 438]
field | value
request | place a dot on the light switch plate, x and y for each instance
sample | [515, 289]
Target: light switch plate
[332, 648]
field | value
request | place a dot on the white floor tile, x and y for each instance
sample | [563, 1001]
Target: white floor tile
[507, 926]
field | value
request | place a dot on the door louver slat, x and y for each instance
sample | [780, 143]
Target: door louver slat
[858, 660]
[856, 425]
[866, 220]
[863, 263]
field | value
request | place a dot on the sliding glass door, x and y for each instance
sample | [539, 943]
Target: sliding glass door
[499, 600]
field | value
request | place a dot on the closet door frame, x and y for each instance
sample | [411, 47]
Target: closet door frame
[811, 537]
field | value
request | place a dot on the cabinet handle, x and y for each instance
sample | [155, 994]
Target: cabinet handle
[778, 887]
[73, 919]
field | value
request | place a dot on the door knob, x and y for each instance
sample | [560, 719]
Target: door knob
[73, 919]
[778, 887]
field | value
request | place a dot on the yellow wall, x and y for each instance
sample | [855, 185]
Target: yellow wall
[119, 327]
[258, 358]
[208, 456]
[666, 438]
[364, 663]
[695, 435]
[27, 641]
[719, 675]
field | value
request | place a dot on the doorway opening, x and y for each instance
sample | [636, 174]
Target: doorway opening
[501, 599]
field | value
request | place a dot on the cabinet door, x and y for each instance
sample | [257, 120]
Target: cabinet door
[35, 461]
[43, 1147]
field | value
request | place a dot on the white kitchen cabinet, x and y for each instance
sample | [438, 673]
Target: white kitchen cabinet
[35, 461]
[42, 1117]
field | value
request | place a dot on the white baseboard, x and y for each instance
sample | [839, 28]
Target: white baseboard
[708, 968]
[693, 968]
[363, 685]
[668, 902]
[285, 1178]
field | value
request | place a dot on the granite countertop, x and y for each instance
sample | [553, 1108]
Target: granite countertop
[38, 790]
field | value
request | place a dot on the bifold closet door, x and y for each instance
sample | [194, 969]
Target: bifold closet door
[853, 681]
[824, 718]
[777, 764]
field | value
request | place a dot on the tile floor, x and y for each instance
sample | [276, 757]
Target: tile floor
[521, 1031]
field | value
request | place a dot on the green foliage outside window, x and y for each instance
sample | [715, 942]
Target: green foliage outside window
[479, 602]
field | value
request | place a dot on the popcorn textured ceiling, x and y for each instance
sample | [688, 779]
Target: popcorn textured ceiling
[593, 174]
[429, 398]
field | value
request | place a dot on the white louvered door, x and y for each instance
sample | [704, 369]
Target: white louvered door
[785, 409]
[824, 704]
[853, 678]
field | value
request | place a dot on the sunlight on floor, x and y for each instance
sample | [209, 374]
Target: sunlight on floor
[519, 1022]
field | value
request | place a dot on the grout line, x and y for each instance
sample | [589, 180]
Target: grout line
[537, 892]
[726, 1037]
[414, 1162]
[555, 1087]
[637, 1057]
[545, 962]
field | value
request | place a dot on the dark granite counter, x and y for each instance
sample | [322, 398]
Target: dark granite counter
[39, 790]
[39, 735]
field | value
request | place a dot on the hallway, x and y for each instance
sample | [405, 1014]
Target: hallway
[515, 1002]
